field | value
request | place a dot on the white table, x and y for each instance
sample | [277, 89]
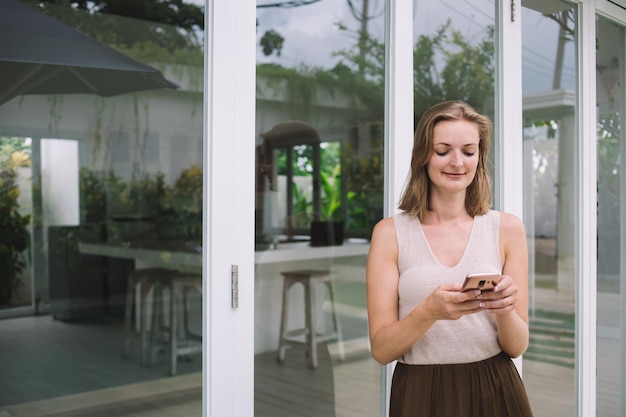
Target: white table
[192, 262]
[268, 281]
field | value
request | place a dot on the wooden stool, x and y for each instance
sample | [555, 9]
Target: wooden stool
[139, 284]
[307, 278]
[190, 342]
[178, 341]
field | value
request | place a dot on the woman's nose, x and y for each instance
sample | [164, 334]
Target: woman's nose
[456, 159]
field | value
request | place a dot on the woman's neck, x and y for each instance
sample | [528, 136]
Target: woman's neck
[447, 210]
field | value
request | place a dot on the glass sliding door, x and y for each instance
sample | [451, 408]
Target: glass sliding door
[108, 119]
[318, 193]
[549, 115]
[611, 367]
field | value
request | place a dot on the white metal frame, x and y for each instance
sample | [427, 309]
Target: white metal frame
[508, 125]
[398, 122]
[228, 367]
[586, 248]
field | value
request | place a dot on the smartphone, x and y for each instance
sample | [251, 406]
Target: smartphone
[483, 282]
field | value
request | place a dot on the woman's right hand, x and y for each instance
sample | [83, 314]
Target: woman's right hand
[448, 302]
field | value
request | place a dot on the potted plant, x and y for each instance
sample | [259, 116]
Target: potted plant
[14, 233]
[329, 229]
[180, 208]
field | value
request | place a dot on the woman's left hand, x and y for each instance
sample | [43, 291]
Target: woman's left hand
[503, 297]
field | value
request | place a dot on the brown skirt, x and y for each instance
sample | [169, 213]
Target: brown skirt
[489, 388]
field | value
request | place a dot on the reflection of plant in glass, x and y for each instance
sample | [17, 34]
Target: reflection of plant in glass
[364, 188]
[167, 32]
[181, 205]
[609, 167]
[177, 209]
[302, 208]
[272, 42]
[14, 233]
[93, 196]
[138, 196]
[447, 66]
[331, 194]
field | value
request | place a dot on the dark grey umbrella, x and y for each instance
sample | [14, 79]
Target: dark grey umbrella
[40, 55]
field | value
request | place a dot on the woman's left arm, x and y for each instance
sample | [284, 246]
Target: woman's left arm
[509, 300]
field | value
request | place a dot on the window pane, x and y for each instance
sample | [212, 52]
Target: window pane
[610, 340]
[101, 130]
[319, 191]
[549, 94]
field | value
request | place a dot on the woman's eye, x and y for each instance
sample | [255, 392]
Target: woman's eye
[470, 153]
[444, 153]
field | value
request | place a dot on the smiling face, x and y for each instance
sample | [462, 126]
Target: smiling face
[453, 162]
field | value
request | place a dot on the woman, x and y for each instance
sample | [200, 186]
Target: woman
[453, 347]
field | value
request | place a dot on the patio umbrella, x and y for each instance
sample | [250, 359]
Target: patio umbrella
[41, 55]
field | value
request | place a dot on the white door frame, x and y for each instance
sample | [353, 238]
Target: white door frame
[398, 124]
[229, 86]
[586, 214]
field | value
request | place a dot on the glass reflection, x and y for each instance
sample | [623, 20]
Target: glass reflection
[100, 169]
[611, 334]
[319, 191]
[549, 77]
[453, 56]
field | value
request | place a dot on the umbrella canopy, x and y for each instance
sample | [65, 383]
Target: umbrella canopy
[40, 55]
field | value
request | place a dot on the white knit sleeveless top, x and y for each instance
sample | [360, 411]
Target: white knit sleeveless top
[471, 338]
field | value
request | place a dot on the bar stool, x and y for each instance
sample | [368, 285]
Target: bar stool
[169, 336]
[189, 342]
[308, 277]
[139, 284]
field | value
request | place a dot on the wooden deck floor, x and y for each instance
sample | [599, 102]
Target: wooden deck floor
[51, 368]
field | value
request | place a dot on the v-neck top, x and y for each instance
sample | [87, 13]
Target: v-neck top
[471, 338]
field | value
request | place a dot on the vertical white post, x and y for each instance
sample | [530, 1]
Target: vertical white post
[398, 100]
[398, 120]
[508, 123]
[586, 248]
[230, 56]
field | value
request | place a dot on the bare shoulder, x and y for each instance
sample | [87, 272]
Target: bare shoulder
[512, 230]
[384, 237]
[385, 229]
[510, 224]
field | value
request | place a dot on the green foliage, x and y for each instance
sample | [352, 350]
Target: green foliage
[331, 194]
[366, 58]
[364, 186]
[271, 42]
[609, 166]
[177, 209]
[14, 231]
[302, 208]
[140, 195]
[14, 152]
[302, 83]
[180, 208]
[92, 194]
[448, 67]
[151, 31]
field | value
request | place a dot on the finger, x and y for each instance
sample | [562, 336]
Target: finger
[504, 283]
[500, 310]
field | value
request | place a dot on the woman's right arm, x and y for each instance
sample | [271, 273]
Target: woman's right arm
[390, 338]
